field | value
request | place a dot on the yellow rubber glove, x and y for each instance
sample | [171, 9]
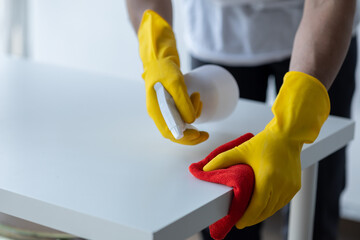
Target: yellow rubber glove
[300, 110]
[161, 63]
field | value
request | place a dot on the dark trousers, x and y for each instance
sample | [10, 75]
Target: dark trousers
[253, 83]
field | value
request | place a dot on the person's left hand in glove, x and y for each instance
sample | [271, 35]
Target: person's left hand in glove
[300, 109]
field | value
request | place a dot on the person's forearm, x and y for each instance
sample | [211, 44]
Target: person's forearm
[136, 9]
[322, 39]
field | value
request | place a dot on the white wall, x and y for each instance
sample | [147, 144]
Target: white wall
[2, 27]
[95, 35]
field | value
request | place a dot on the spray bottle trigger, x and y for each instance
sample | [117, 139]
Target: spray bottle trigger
[170, 112]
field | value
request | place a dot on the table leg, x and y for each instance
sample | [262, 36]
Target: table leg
[302, 207]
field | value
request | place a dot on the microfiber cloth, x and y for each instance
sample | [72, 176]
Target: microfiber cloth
[240, 177]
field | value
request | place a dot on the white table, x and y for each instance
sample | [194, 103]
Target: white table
[78, 153]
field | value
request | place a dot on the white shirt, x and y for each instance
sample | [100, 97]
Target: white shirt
[241, 32]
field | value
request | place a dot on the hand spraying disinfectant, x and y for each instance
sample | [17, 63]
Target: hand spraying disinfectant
[219, 94]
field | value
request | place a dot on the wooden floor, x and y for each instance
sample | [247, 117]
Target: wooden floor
[349, 230]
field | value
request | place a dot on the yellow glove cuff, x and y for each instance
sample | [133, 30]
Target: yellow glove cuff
[156, 39]
[301, 108]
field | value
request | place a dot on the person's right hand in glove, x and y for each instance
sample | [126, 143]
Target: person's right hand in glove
[161, 64]
[300, 110]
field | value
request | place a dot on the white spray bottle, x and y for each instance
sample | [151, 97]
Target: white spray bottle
[219, 94]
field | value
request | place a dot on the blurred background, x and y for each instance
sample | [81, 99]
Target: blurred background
[96, 36]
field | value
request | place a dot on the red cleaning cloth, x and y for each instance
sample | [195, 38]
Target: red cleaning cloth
[240, 177]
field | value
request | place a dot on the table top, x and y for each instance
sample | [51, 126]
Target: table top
[79, 153]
